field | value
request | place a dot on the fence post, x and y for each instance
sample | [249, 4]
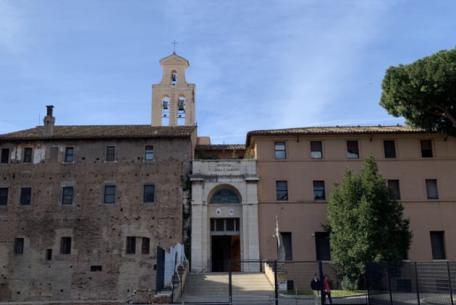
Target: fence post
[230, 284]
[276, 284]
[389, 283]
[417, 285]
[322, 292]
[367, 282]
[449, 282]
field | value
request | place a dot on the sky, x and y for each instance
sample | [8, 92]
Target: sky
[257, 64]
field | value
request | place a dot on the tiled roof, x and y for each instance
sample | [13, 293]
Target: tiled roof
[336, 130]
[221, 147]
[100, 132]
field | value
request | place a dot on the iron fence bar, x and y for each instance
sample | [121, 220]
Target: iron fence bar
[389, 283]
[322, 291]
[449, 283]
[417, 285]
[230, 286]
[367, 284]
[276, 285]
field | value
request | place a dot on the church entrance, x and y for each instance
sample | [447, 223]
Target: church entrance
[225, 245]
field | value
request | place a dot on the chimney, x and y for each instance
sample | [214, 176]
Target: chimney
[49, 121]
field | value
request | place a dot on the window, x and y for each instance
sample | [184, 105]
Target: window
[426, 149]
[26, 196]
[5, 155]
[149, 153]
[96, 268]
[48, 254]
[322, 246]
[19, 246]
[110, 153]
[69, 154]
[390, 149]
[438, 244]
[110, 194]
[131, 245]
[319, 190]
[287, 245]
[3, 196]
[173, 78]
[431, 189]
[27, 155]
[316, 150]
[165, 111]
[181, 111]
[280, 151]
[149, 193]
[65, 245]
[225, 195]
[67, 195]
[145, 247]
[281, 190]
[394, 187]
[352, 150]
[224, 226]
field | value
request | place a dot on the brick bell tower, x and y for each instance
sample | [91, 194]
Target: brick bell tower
[173, 99]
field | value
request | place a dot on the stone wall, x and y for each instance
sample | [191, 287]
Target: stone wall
[98, 230]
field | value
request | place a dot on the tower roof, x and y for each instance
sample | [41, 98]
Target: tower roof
[174, 59]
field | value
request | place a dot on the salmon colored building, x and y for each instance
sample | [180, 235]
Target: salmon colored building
[298, 168]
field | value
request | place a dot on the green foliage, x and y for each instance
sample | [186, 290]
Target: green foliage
[366, 223]
[424, 92]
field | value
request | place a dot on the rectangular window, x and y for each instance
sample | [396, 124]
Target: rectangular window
[110, 153]
[149, 153]
[69, 154]
[28, 153]
[96, 268]
[110, 194]
[426, 148]
[145, 247]
[316, 150]
[3, 196]
[67, 195]
[390, 149]
[431, 189]
[5, 155]
[352, 150]
[131, 245]
[280, 150]
[393, 185]
[438, 244]
[319, 190]
[322, 246]
[287, 245]
[19, 246]
[48, 254]
[65, 245]
[26, 196]
[281, 190]
[149, 193]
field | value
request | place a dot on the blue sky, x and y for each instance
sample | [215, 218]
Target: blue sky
[256, 64]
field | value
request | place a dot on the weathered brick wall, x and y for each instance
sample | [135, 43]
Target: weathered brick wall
[98, 230]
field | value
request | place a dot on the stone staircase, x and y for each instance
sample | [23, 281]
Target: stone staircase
[247, 288]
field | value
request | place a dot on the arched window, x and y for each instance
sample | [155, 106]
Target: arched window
[173, 77]
[165, 111]
[225, 195]
[181, 111]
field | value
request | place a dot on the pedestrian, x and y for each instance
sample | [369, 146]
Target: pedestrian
[326, 290]
[315, 285]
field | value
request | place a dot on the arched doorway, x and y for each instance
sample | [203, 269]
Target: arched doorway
[225, 231]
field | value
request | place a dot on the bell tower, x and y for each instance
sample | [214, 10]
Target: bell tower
[173, 99]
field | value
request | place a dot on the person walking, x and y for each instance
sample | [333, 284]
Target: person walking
[315, 285]
[326, 290]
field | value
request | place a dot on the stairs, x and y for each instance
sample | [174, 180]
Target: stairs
[247, 288]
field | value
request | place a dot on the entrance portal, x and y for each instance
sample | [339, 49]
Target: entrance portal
[226, 250]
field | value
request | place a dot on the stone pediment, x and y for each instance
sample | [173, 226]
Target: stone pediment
[174, 60]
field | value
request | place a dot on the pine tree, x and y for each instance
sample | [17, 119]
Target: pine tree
[366, 224]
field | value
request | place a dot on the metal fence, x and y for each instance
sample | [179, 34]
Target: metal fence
[411, 283]
[265, 282]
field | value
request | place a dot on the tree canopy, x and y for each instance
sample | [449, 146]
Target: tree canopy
[366, 223]
[424, 92]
